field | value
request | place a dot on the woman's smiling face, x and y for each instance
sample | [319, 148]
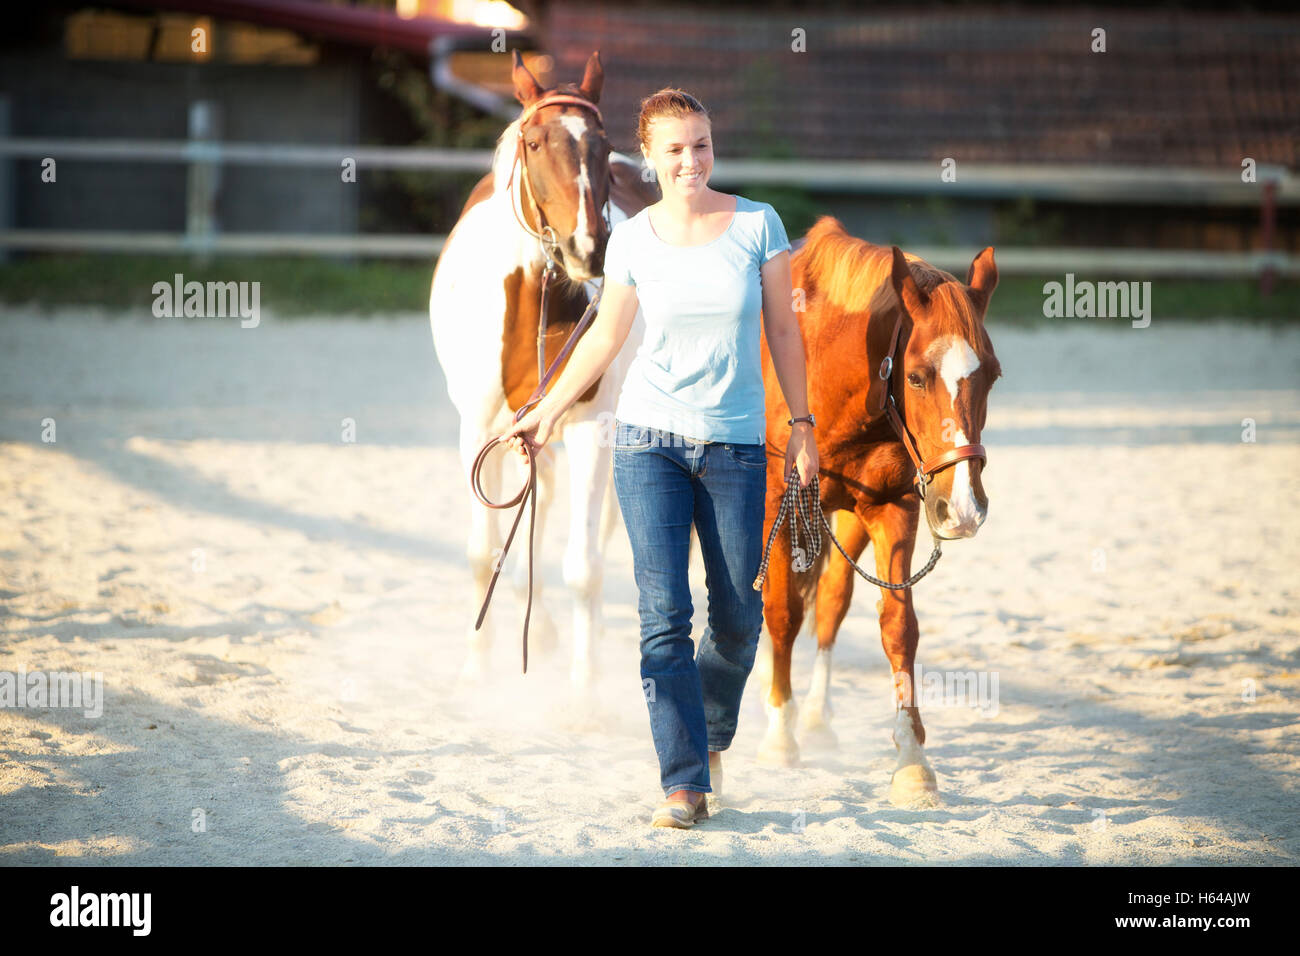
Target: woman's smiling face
[681, 151]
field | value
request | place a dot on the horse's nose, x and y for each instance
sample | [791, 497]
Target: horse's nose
[955, 523]
[580, 262]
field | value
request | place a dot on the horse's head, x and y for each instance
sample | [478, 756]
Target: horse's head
[947, 371]
[565, 155]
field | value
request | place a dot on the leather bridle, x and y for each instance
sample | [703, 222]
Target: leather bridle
[547, 239]
[546, 236]
[928, 468]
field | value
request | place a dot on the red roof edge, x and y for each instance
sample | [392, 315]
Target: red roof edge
[357, 26]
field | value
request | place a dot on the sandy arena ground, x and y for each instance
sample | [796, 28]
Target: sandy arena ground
[279, 616]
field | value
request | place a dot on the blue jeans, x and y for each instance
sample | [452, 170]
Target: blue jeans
[665, 483]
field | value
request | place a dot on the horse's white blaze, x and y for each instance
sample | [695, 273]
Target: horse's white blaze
[584, 243]
[957, 360]
[962, 506]
[575, 124]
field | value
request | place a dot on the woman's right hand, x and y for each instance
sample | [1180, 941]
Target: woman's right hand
[534, 429]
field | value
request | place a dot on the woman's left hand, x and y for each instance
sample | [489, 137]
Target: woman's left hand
[801, 451]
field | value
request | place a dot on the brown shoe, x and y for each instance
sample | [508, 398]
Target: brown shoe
[680, 813]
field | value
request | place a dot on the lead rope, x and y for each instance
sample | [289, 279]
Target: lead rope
[528, 494]
[796, 503]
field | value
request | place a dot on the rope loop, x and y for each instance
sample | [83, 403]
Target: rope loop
[797, 504]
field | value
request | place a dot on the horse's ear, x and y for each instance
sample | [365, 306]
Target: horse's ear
[527, 88]
[594, 79]
[983, 274]
[908, 292]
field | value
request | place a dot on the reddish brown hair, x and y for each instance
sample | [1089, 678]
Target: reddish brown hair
[667, 102]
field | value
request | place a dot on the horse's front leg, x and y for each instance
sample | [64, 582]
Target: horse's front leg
[834, 595]
[482, 551]
[589, 447]
[892, 528]
[783, 612]
[542, 635]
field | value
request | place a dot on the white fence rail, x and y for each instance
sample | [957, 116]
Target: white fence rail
[1274, 187]
[1121, 184]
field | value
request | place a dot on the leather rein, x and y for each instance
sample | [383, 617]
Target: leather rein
[548, 241]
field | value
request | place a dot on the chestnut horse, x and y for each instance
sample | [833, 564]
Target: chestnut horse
[554, 169]
[940, 375]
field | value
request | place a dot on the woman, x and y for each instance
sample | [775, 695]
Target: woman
[689, 432]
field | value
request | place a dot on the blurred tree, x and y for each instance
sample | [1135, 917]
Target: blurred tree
[411, 111]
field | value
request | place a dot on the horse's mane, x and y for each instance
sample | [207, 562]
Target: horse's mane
[854, 275]
[503, 158]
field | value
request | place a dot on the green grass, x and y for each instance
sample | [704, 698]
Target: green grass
[289, 286]
[1019, 299]
[314, 286]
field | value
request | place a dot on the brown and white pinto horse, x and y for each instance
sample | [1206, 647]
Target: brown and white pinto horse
[554, 169]
[940, 376]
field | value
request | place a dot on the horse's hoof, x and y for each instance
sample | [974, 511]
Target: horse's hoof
[472, 676]
[818, 736]
[778, 754]
[914, 788]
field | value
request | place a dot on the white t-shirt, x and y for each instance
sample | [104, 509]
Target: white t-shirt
[699, 370]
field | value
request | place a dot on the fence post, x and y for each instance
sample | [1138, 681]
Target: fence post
[204, 179]
[1267, 223]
